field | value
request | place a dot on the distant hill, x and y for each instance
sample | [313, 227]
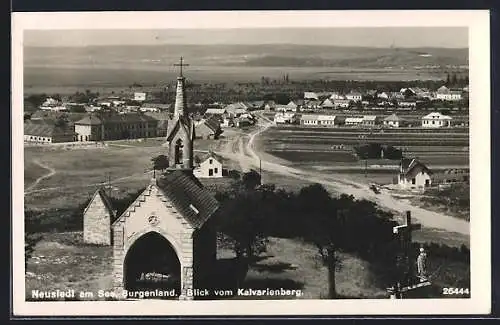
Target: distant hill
[272, 55]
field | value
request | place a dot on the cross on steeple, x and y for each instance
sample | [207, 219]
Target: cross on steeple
[181, 64]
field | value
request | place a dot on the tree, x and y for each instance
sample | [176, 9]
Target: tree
[61, 121]
[250, 180]
[322, 227]
[242, 218]
[160, 162]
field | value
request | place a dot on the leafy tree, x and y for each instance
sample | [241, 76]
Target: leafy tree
[36, 99]
[160, 162]
[322, 227]
[250, 180]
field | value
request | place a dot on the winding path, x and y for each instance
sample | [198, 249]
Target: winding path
[51, 173]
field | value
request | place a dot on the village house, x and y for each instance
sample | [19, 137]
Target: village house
[354, 96]
[242, 122]
[140, 96]
[310, 96]
[162, 118]
[384, 95]
[312, 103]
[327, 103]
[353, 121]
[154, 107]
[336, 96]
[407, 104]
[41, 131]
[208, 128]
[216, 112]
[370, 120]
[413, 174]
[209, 167]
[285, 118]
[115, 126]
[436, 120]
[285, 108]
[318, 120]
[341, 103]
[293, 106]
[269, 105]
[393, 121]
[444, 93]
[236, 109]
[97, 219]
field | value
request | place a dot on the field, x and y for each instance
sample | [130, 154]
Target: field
[315, 147]
[80, 171]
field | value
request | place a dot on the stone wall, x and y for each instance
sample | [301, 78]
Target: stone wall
[97, 223]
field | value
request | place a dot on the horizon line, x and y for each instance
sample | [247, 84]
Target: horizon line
[248, 44]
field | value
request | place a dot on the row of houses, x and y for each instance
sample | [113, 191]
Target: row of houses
[111, 126]
[432, 120]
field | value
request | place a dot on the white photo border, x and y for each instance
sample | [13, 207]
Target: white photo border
[477, 21]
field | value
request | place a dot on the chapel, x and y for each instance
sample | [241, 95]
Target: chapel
[166, 240]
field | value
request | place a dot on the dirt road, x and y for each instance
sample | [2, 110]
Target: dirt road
[335, 182]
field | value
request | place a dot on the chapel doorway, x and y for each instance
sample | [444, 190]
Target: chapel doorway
[151, 263]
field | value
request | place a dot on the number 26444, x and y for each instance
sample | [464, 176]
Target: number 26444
[456, 291]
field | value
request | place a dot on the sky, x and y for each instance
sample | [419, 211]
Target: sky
[449, 37]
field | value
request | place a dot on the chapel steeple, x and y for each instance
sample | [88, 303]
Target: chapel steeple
[180, 129]
[180, 97]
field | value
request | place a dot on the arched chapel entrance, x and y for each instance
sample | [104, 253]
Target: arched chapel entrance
[152, 263]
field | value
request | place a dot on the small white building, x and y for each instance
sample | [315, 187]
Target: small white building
[285, 108]
[341, 103]
[336, 95]
[216, 111]
[413, 174]
[310, 95]
[370, 120]
[318, 120]
[210, 167]
[285, 117]
[354, 96]
[392, 121]
[353, 121]
[139, 96]
[436, 120]
[443, 93]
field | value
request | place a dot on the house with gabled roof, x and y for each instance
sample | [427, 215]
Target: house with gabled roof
[97, 219]
[327, 103]
[413, 174]
[209, 167]
[393, 121]
[436, 120]
[209, 128]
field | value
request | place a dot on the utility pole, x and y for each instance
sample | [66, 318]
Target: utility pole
[260, 170]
